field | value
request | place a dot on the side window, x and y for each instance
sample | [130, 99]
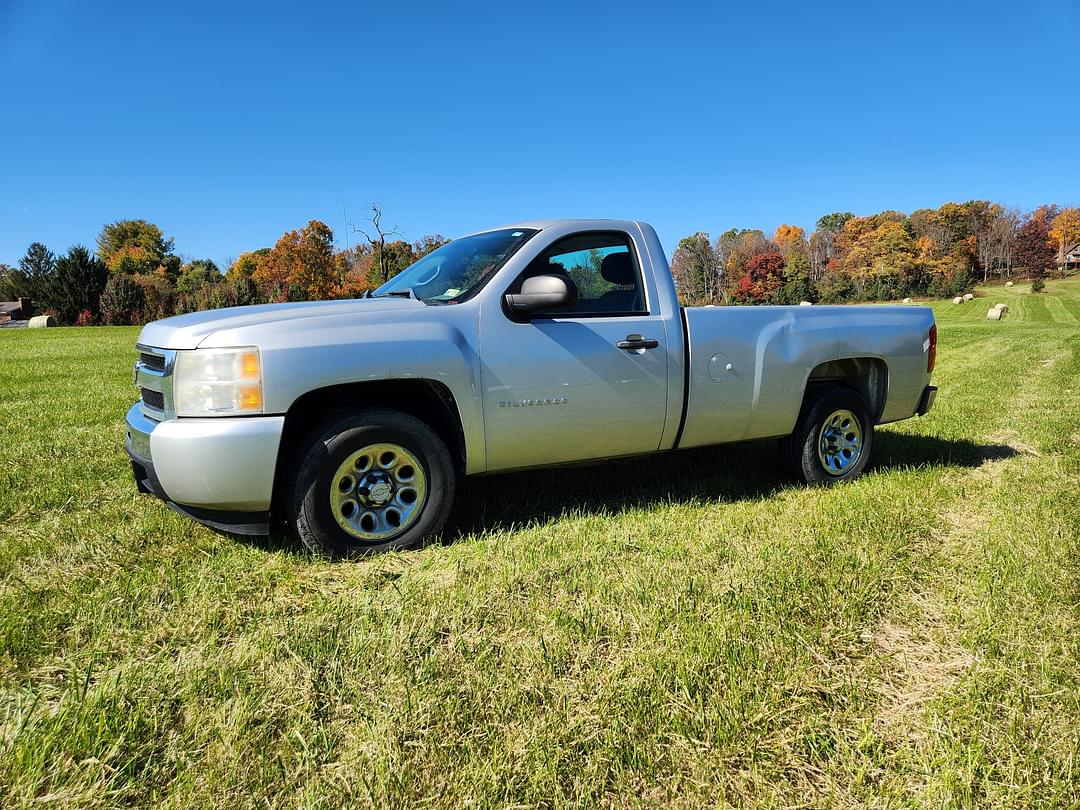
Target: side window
[603, 268]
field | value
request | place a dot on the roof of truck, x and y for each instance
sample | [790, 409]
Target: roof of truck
[541, 224]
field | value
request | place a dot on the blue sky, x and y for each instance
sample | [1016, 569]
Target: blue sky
[227, 123]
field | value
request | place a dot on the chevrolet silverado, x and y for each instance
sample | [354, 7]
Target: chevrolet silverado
[543, 343]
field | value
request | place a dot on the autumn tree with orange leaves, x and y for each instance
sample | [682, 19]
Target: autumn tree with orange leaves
[301, 266]
[791, 239]
[1065, 231]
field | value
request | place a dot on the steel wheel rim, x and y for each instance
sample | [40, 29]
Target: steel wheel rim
[840, 442]
[378, 492]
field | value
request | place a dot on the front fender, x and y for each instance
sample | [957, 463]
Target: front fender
[431, 343]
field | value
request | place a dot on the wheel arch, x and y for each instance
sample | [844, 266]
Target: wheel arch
[869, 376]
[428, 400]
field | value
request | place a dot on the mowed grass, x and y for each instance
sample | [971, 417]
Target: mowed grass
[687, 630]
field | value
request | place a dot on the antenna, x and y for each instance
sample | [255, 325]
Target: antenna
[345, 217]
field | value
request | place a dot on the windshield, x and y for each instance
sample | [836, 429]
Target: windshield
[459, 269]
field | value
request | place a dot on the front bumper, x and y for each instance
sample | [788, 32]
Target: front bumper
[218, 471]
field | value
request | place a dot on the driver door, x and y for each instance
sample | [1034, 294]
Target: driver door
[586, 382]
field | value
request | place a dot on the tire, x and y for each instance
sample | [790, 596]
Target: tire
[832, 440]
[360, 473]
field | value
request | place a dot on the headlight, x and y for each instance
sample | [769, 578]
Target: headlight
[218, 382]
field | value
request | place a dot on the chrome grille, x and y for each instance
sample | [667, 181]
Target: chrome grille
[153, 378]
[152, 361]
[153, 399]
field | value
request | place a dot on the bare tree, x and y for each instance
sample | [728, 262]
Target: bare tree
[723, 249]
[821, 251]
[376, 237]
[1006, 240]
[995, 242]
[986, 236]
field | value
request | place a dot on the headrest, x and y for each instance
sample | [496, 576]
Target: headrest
[617, 268]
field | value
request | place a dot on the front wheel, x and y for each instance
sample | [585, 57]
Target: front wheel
[371, 481]
[832, 439]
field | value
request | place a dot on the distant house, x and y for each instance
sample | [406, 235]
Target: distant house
[1069, 259]
[21, 310]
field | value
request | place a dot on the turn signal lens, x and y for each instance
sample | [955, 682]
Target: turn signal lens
[251, 398]
[931, 352]
[249, 365]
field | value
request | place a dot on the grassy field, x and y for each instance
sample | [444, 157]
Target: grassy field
[681, 631]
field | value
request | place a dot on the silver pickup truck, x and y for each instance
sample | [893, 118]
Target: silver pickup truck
[543, 343]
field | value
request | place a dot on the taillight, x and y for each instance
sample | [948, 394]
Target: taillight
[931, 352]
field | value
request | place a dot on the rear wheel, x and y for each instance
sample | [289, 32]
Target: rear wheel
[832, 439]
[371, 481]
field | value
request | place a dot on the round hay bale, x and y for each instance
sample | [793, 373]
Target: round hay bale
[994, 314]
[907, 300]
[1002, 307]
[805, 304]
[42, 321]
[968, 296]
[1008, 283]
[958, 300]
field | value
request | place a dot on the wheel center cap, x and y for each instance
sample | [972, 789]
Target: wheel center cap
[380, 493]
[375, 489]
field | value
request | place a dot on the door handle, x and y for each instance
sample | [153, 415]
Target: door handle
[637, 342]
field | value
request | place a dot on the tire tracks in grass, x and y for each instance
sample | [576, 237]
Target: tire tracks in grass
[1073, 307]
[1058, 311]
[1036, 309]
[916, 653]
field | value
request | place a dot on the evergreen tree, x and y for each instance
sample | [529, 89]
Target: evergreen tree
[10, 282]
[77, 284]
[31, 278]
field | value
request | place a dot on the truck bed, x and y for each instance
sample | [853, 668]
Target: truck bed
[749, 366]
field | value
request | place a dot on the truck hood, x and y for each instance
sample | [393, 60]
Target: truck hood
[188, 331]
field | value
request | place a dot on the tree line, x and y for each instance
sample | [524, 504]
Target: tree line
[932, 252]
[135, 275]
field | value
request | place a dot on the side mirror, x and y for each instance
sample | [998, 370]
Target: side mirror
[542, 292]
